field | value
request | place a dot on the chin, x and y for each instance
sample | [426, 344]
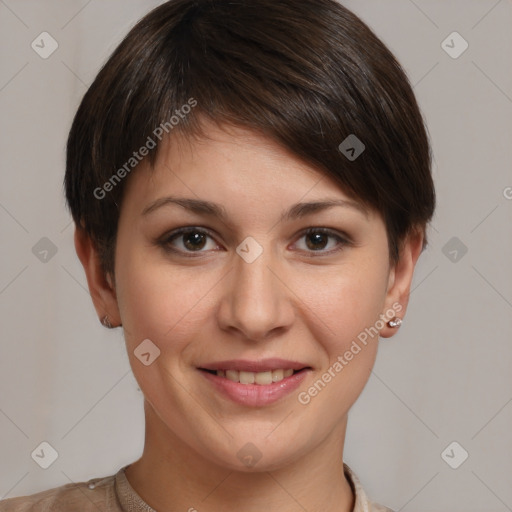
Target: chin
[255, 456]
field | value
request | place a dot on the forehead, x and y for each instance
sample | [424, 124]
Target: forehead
[229, 161]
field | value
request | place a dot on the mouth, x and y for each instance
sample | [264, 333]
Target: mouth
[262, 378]
[255, 383]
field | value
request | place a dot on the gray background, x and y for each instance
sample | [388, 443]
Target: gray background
[445, 377]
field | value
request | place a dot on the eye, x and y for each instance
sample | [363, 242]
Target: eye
[317, 239]
[191, 240]
[187, 240]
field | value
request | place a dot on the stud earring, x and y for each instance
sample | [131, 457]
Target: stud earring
[395, 322]
[106, 322]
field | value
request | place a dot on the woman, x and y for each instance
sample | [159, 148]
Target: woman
[250, 183]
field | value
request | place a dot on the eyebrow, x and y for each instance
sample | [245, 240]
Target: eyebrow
[211, 209]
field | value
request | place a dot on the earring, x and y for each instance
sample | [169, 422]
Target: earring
[106, 322]
[395, 322]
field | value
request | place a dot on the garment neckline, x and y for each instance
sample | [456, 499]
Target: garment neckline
[130, 501]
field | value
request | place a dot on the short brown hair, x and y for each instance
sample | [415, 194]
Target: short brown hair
[307, 73]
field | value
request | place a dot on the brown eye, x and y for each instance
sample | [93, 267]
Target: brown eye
[316, 241]
[194, 240]
[323, 241]
[188, 240]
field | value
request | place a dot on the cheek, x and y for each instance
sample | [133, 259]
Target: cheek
[349, 301]
[161, 302]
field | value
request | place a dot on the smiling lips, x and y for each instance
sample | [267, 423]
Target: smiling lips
[261, 378]
[252, 384]
[263, 372]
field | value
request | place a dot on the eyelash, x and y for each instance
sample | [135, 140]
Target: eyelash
[165, 242]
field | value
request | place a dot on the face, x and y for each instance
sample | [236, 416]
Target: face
[232, 254]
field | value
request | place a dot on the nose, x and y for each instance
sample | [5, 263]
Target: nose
[257, 301]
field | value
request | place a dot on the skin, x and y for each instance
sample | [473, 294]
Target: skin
[289, 303]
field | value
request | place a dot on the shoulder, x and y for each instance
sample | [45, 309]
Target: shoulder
[362, 502]
[375, 507]
[94, 495]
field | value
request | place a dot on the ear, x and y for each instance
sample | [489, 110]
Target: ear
[101, 286]
[400, 279]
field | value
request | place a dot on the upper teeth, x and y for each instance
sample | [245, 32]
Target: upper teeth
[263, 378]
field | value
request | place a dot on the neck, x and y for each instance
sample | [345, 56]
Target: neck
[172, 476]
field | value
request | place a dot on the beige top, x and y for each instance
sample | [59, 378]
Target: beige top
[115, 494]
